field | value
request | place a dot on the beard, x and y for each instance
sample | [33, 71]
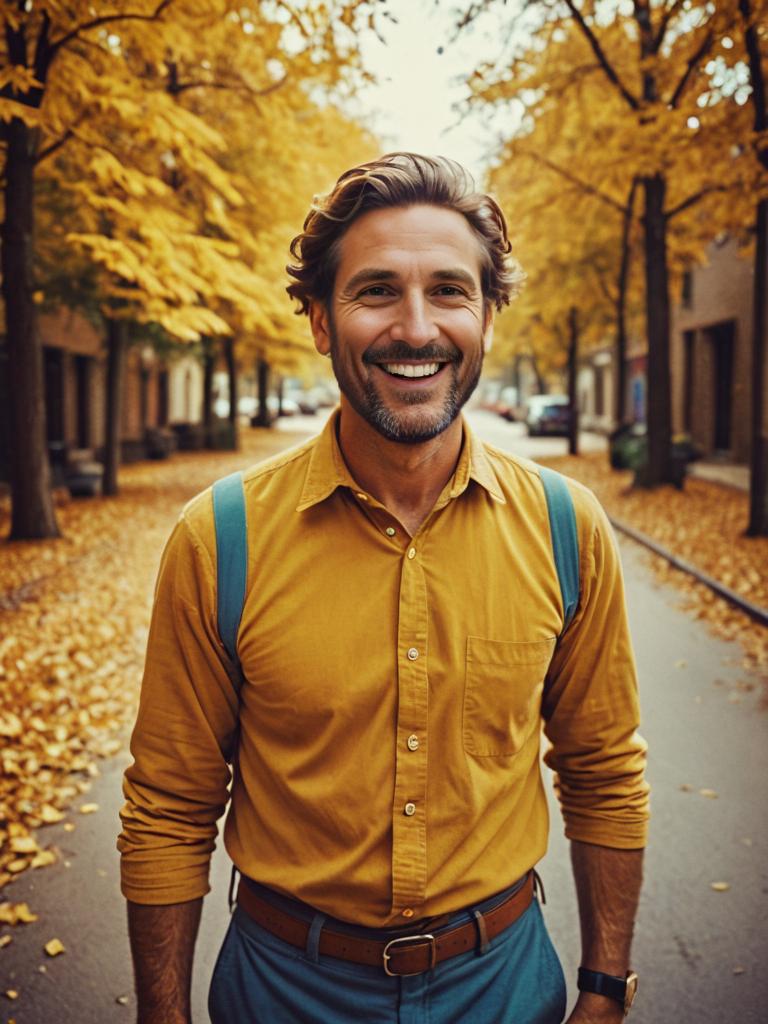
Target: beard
[408, 425]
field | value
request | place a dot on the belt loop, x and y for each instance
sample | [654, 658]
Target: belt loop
[231, 893]
[312, 948]
[481, 931]
[538, 886]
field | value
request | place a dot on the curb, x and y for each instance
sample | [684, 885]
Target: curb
[753, 610]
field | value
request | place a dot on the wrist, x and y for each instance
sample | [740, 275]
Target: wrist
[599, 1009]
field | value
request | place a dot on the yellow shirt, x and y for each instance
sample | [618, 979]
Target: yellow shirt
[388, 755]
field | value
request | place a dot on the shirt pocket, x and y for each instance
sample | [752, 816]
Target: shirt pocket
[502, 693]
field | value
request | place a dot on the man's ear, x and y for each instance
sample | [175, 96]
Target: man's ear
[319, 322]
[488, 330]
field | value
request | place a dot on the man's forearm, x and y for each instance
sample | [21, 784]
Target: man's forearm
[163, 945]
[608, 888]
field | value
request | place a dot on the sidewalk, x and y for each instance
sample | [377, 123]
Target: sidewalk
[727, 474]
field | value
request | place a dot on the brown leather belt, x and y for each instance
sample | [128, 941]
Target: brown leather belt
[404, 955]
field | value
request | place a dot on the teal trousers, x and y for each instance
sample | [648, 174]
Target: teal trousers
[259, 979]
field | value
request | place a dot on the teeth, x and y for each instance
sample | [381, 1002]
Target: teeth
[412, 369]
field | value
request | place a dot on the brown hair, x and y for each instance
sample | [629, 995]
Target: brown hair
[399, 179]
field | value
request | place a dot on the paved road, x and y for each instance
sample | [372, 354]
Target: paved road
[701, 953]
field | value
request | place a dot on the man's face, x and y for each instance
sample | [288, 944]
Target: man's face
[406, 326]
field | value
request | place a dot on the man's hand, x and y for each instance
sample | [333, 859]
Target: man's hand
[593, 1009]
[163, 944]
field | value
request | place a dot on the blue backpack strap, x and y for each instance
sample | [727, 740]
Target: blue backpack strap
[565, 539]
[231, 560]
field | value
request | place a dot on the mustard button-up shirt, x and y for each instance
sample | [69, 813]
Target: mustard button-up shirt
[388, 734]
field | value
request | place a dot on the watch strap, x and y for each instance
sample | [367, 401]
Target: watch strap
[602, 984]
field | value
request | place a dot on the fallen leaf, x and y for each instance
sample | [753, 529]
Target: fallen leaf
[5, 940]
[23, 844]
[68, 826]
[54, 947]
[720, 886]
[122, 1000]
[685, 788]
[681, 663]
[50, 815]
[11, 993]
[88, 808]
[739, 970]
[710, 794]
[43, 859]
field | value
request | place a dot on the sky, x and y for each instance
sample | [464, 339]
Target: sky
[413, 105]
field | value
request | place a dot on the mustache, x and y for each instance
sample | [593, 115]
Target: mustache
[401, 351]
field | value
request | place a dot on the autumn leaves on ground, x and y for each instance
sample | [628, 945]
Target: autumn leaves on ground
[74, 615]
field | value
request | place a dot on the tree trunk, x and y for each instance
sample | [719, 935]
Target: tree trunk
[209, 363]
[620, 352]
[573, 398]
[659, 413]
[758, 483]
[758, 486]
[229, 358]
[32, 514]
[117, 333]
[280, 390]
[262, 418]
[541, 384]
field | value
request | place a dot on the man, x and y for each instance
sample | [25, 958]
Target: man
[402, 639]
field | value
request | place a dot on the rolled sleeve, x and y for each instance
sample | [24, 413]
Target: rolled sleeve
[177, 787]
[590, 707]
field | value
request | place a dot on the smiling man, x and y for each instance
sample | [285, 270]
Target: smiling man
[403, 637]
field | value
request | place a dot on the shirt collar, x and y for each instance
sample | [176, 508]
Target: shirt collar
[327, 469]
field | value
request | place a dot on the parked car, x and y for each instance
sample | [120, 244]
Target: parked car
[506, 404]
[547, 414]
[305, 400]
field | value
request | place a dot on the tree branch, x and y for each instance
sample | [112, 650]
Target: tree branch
[598, 51]
[583, 186]
[107, 19]
[695, 198]
[668, 15]
[706, 44]
[233, 86]
[54, 146]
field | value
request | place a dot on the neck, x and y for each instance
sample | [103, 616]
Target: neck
[406, 478]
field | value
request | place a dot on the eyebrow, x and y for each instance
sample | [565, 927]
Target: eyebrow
[368, 275]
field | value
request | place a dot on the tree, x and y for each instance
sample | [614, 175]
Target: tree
[78, 77]
[754, 16]
[650, 69]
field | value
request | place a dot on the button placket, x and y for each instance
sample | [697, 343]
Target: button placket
[409, 838]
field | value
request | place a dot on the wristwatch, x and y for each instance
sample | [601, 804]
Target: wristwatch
[623, 990]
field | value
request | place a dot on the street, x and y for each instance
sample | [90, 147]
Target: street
[700, 951]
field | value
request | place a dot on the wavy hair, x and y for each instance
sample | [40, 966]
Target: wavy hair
[397, 180]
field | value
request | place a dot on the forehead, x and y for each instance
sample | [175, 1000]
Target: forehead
[398, 237]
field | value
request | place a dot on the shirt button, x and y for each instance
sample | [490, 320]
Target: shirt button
[390, 531]
[409, 810]
[407, 912]
[413, 742]
[412, 552]
[412, 653]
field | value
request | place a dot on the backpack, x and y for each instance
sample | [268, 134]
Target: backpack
[232, 552]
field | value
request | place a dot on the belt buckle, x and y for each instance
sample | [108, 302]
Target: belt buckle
[386, 955]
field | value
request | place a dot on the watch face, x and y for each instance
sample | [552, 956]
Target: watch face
[631, 991]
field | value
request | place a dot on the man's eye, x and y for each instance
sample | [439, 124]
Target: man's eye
[375, 291]
[449, 290]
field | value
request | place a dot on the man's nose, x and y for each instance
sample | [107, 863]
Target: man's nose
[414, 322]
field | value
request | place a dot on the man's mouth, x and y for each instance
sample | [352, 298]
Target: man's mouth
[411, 370]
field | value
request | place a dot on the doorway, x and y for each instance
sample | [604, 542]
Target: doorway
[722, 337]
